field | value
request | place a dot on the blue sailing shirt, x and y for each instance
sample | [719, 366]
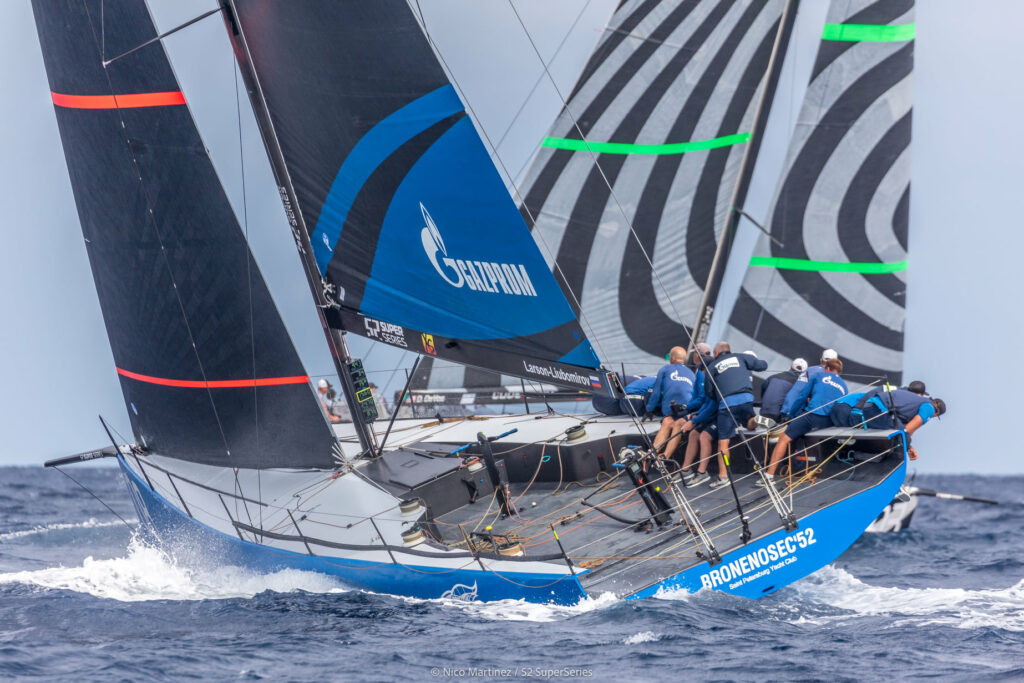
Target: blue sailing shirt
[673, 383]
[697, 398]
[801, 389]
[640, 386]
[824, 389]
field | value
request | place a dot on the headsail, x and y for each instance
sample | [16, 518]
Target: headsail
[836, 278]
[667, 106]
[412, 230]
[207, 368]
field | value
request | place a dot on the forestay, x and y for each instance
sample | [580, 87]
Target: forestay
[836, 277]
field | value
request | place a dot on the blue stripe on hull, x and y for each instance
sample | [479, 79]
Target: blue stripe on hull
[166, 524]
[779, 559]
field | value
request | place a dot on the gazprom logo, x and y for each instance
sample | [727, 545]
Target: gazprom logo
[479, 276]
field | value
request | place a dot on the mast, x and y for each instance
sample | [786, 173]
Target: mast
[349, 370]
[705, 310]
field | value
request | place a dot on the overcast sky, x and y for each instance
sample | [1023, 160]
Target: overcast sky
[965, 235]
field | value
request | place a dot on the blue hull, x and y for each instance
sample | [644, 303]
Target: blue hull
[756, 569]
[767, 564]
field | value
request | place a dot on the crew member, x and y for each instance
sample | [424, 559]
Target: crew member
[729, 384]
[673, 385]
[815, 413]
[775, 388]
[801, 389]
[701, 434]
[911, 411]
[326, 394]
[638, 391]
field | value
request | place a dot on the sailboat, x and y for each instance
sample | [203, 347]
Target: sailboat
[409, 237]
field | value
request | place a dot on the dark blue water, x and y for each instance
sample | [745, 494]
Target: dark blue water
[80, 599]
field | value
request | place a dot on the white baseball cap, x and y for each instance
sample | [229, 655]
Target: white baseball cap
[798, 365]
[323, 384]
[829, 354]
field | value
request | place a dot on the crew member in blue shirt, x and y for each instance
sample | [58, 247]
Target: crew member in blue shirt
[700, 434]
[673, 386]
[911, 411]
[801, 389]
[814, 413]
[729, 385]
[637, 391]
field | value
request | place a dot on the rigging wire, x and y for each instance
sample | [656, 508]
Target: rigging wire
[529, 96]
[89, 491]
[248, 281]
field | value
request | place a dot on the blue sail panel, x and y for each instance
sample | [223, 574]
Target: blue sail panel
[371, 150]
[454, 255]
[409, 223]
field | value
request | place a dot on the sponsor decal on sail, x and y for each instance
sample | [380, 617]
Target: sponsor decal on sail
[479, 276]
[386, 332]
[557, 373]
[428, 343]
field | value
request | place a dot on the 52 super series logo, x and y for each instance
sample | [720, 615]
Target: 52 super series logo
[385, 332]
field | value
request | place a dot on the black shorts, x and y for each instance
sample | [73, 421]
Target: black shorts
[731, 416]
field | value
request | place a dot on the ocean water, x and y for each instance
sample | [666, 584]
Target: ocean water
[82, 599]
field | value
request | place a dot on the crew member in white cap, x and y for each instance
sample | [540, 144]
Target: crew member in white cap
[775, 388]
[323, 388]
[801, 389]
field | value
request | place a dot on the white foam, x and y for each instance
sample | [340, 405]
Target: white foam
[87, 524]
[147, 573]
[642, 637]
[521, 610]
[959, 607]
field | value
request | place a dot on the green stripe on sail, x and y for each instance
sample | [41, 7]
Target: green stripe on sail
[627, 148]
[828, 266]
[878, 33]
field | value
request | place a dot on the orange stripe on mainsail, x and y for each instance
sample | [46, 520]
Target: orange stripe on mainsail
[215, 384]
[145, 99]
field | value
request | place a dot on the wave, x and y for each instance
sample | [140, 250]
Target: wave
[959, 607]
[521, 610]
[147, 573]
[642, 637]
[87, 524]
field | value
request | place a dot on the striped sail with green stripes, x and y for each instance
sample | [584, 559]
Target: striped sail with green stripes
[664, 111]
[835, 274]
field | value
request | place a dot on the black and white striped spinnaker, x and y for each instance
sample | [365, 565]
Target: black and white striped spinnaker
[836, 276]
[645, 160]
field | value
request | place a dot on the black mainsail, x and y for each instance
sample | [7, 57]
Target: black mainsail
[405, 225]
[835, 273]
[208, 371]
